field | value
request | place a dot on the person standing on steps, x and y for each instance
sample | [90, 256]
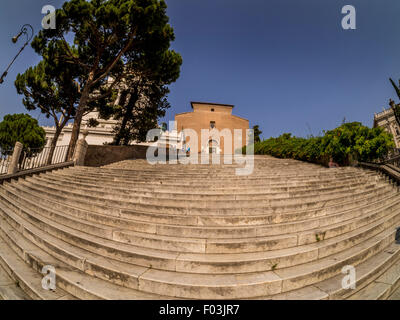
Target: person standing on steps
[333, 164]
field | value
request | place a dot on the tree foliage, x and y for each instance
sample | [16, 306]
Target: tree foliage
[146, 93]
[107, 36]
[350, 141]
[24, 129]
[53, 91]
[396, 107]
[257, 133]
[142, 103]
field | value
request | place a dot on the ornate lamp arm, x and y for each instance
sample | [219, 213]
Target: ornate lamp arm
[28, 31]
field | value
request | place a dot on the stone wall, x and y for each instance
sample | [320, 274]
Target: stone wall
[97, 156]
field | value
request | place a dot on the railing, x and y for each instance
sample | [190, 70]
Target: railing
[37, 158]
[390, 166]
[392, 158]
[5, 159]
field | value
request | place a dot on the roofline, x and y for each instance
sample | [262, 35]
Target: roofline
[178, 114]
[213, 104]
[240, 118]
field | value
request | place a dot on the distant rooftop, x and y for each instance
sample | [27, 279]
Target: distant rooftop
[212, 104]
[383, 113]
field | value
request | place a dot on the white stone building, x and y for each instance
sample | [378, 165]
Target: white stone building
[100, 135]
[387, 120]
[172, 139]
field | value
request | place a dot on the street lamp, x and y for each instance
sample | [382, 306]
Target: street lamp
[28, 31]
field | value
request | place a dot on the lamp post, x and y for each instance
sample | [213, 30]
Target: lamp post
[28, 31]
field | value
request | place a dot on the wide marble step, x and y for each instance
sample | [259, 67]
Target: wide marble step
[382, 287]
[214, 178]
[9, 288]
[129, 191]
[72, 280]
[208, 207]
[203, 263]
[259, 186]
[332, 288]
[265, 227]
[186, 285]
[26, 282]
[326, 229]
[131, 230]
[271, 199]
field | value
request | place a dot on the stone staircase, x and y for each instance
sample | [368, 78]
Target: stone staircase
[136, 231]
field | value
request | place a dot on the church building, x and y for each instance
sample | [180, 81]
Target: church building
[216, 118]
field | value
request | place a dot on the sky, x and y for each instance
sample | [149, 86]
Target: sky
[286, 65]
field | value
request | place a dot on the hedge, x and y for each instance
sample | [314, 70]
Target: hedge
[349, 142]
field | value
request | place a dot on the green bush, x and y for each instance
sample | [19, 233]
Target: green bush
[349, 142]
[24, 129]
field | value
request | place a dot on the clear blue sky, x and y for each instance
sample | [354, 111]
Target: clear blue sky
[283, 63]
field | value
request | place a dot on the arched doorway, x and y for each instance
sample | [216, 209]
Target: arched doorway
[212, 146]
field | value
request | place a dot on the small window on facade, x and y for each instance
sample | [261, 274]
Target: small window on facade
[212, 110]
[212, 124]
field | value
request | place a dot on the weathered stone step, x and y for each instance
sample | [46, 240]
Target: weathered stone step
[332, 288]
[288, 186]
[198, 169]
[366, 272]
[260, 186]
[196, 263]
[122, 252]
[395, 295]
[221, 207]
[249, 285]
[242, 202]
[127, 191]
[193, 168]
[280, 259]
[215, 168]
[69, 279]
[329, 226]
[382, 287]
[297, 275]
[258, 284]
[313, 292]
[136, 222]
[223, 185]
[80, 222]
[127, 238]
[219, 171]
[9, 288]
[26, 278]
[259, 161]
[265, 217]
[202, 245]
[214, 178]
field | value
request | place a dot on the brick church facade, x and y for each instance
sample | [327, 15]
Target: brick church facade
[218, 118]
